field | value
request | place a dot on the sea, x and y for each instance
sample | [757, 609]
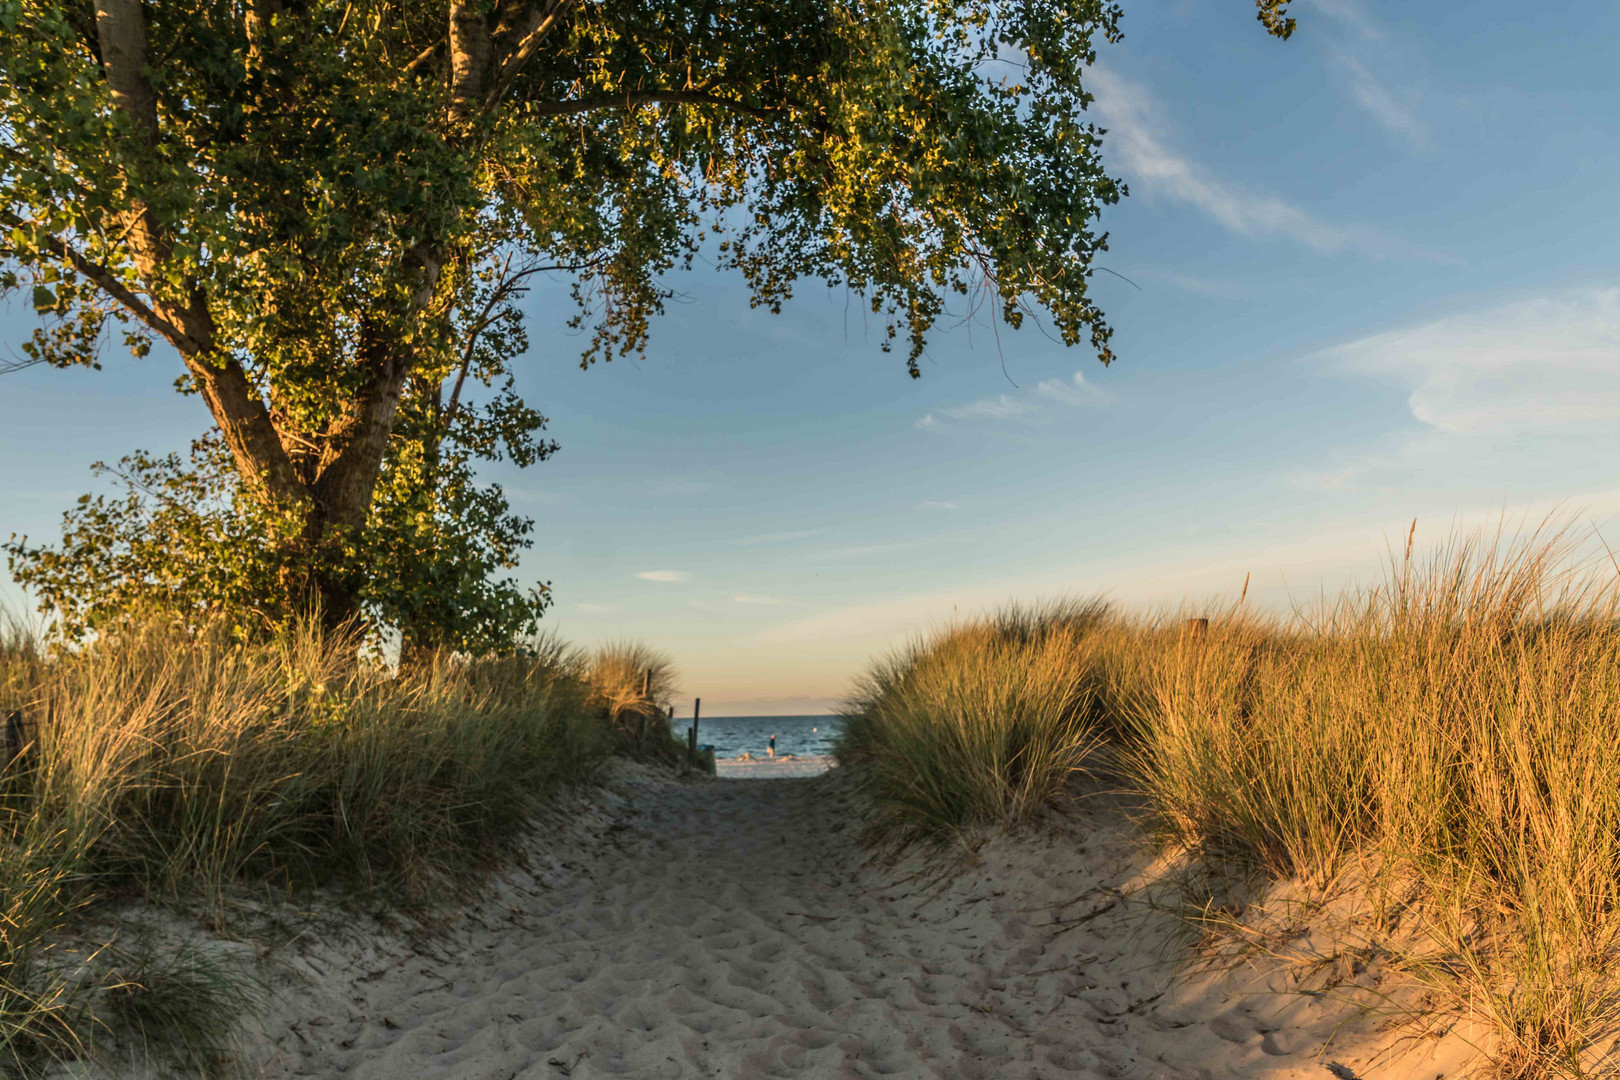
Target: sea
[801, 736]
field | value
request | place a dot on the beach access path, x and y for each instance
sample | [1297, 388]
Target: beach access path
[736, 928]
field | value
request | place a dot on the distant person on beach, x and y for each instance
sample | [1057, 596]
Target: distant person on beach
[772, 750]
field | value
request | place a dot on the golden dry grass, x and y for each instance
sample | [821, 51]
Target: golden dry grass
[167, 765]
[1456, 730]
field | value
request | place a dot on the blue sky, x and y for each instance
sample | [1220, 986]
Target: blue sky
[1374, 274]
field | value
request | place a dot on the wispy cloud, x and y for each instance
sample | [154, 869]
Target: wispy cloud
[1224, 289]
[1073, 391]
[779, 537]
[1000, 407]
[598, 609]
[745, 598]
[1375, 68]
[1149, 160]
[1542, 364]
[670, 489]
[936, 504]
[668, 577]
[862, 551]
[1378, 96]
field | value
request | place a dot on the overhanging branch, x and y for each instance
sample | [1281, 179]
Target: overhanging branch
[108, 282]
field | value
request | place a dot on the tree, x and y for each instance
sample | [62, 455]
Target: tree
[326, 207]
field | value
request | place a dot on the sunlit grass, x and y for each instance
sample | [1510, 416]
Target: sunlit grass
[1456, 728]
[984, 723]
[168, 766]
[631, 688]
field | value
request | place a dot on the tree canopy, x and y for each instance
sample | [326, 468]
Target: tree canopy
[329, 209]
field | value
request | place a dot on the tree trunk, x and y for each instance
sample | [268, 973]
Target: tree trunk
[328, 491]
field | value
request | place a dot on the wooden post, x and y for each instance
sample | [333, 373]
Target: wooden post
[646, 700]
[1195, 628]
[691, 738]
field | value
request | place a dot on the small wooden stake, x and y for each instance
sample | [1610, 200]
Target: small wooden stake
[1195, 628]
[691, 738]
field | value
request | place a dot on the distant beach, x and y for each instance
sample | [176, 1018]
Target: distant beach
[803, 744]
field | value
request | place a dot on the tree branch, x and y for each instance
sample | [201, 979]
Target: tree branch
[108, 282]
[540, 22]
[506, 289]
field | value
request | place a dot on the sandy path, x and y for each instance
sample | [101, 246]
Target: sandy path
[729, 928]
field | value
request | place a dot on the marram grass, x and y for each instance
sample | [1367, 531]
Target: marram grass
[170, 766]
[1456, 729]
[984, 723]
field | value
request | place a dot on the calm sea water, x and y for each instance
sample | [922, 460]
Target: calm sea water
[802, 736]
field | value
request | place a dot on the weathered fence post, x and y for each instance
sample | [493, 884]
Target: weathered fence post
[646, 701]
[691, 736]
[1195, 628]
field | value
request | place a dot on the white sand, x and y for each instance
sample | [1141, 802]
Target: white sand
[730, 929]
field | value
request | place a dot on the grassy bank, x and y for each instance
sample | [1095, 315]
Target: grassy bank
[167, 767]
[1452, 734]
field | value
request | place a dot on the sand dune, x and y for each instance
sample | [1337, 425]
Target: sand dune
[729, 928]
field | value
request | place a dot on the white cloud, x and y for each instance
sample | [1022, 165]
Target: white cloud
[668, 577]
[1546, 364]
[744, 598]
[936, 504]
[1074, 391]
[1149, 161]
[1001, 407]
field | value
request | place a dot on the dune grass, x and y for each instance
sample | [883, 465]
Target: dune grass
[631, 689]
[1453, 732]
[985, 723]
[165, 766]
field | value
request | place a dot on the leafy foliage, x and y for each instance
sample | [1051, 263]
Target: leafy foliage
[177, 542]
[328, 210]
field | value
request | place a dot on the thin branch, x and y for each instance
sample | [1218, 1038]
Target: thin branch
[507, 288]
[114, 288]
[421, 58]
[12, 366]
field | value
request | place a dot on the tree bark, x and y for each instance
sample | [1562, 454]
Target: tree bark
[469, 61]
